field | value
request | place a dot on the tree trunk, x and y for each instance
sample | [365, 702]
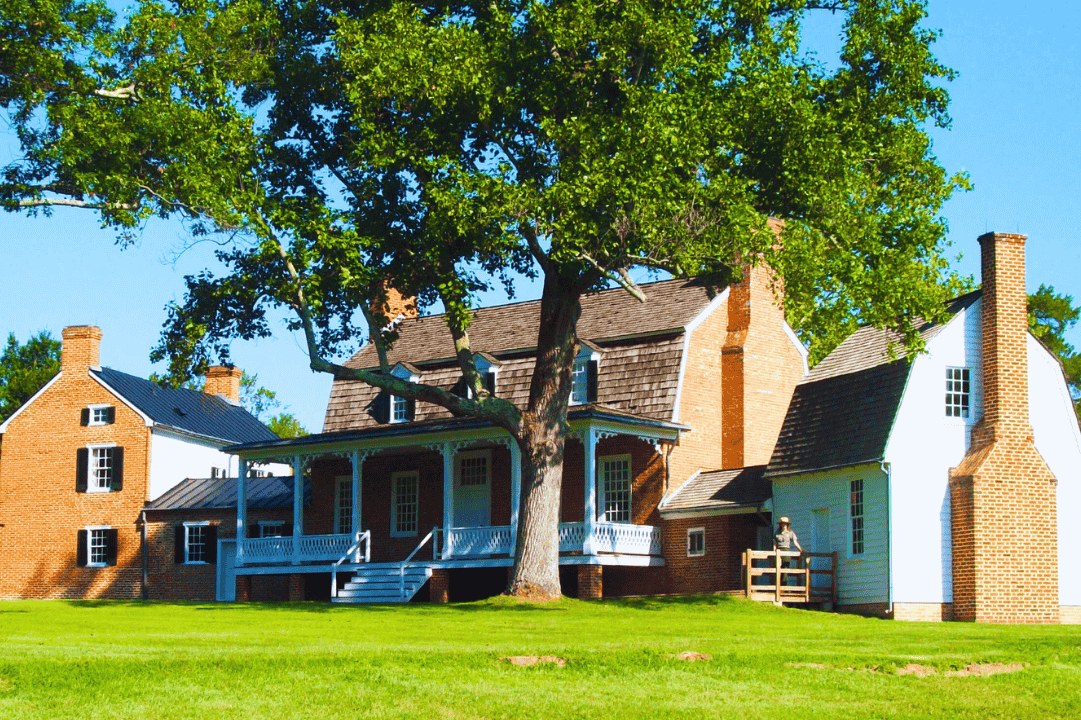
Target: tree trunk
[536, 558]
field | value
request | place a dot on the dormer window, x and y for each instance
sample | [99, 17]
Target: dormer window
[399, 409]
[584, 375]
[958, 391]
[389, 408]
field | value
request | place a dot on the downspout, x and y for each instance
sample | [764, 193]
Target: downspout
[887, 469]
[145, 591]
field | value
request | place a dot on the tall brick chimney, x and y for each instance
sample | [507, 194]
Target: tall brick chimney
[733, 390]
[398, 304]
[224, 381]
[80, 349]
[1002, 495]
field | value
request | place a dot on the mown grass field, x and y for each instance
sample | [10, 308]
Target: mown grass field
[133, 660]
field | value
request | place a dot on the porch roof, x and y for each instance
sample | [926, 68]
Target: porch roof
[733, 489]
[264, 493]
[580, 415]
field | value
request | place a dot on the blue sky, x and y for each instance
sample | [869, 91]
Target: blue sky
[1016, 109]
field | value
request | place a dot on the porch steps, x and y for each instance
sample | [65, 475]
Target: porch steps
[383, 584]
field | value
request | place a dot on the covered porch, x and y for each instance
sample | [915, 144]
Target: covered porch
[446, 495]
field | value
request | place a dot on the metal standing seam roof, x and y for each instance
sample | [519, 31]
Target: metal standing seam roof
[842, 413]
[721, 489]
[187, 410]
[264, 493]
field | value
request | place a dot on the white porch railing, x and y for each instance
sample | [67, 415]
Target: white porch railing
[607, 537]
[306, 548]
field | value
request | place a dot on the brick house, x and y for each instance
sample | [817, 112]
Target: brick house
[943, 483]
[687, 389]
[82, 457]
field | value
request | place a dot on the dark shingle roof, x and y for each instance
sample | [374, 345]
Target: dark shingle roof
[264, 493]
[718, 489]
[188, 410]
[638, 373]
[610, 314]
[842, 413]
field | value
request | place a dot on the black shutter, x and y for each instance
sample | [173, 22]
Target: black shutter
[410, 409]
[110, 546]
[82, 464]
[210, 550]
[591, 381]
[80, 552]
[253, 530]
[110, 415]
[381, 408]
[287, 530]
[118, 470]
[489, 383]
[459, 387]
[84, 417]
[178, 544]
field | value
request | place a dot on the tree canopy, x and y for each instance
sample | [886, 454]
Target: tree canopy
[25, 368]
[1050, 316]
[451, 146]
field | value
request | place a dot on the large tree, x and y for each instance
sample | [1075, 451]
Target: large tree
[451, 145]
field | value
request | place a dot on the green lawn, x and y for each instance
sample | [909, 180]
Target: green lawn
[132, 660]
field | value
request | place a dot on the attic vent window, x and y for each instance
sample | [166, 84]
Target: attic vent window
[958, 391]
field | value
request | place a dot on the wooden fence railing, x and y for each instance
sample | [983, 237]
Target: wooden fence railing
[779, 576]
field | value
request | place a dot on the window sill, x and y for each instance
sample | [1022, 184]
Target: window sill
[404, 534]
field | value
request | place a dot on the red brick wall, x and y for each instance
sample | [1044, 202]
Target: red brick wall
[1005, 549]
[169, 580]
[720, 568]
[39, 507]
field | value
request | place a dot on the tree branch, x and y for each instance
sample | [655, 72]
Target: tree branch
[620, 276]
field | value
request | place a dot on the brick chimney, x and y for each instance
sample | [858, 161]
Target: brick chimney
[733, 370]
[80, 349]
[1002, 495]
[398, 304]
[224, 381]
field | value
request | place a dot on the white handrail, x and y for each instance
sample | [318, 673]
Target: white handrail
[401, 568]
[366, 538]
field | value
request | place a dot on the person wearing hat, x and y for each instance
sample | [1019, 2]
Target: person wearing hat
[786, 540]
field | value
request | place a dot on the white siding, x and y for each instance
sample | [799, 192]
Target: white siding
[923, 446]
[175, 457]
[1058, 439]
[862, 578]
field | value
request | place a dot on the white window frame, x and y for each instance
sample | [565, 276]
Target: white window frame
[90, 530]
[94, 410]
[958, 399]
[857, 516]
[187, 541]
[472, 455]
[602, 470]
[580, 376]
[698, 531]
[399, 409]
[92, 484]
[396, 480]
[266, 525]
[343, 513]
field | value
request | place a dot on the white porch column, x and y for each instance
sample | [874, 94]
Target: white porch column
[298, 507]
[241, 510]
[515, 492]
[358, 460]
[589, 440]
[448, 496]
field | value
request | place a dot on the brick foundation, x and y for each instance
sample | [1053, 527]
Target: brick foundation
[1069, 614]
[296, 587]
[879, 610]
[590, 582]
[243, 588]
[439, 586]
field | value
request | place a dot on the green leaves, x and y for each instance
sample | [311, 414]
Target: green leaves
[25, 368]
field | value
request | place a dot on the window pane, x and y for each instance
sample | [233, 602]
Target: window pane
[856, 515]
[579, 379]
[101, 468]
[473, 470]
[616, 476]
[958, 392]
[196, 543]
[344, 520]
[97, 553]
[405, 504]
